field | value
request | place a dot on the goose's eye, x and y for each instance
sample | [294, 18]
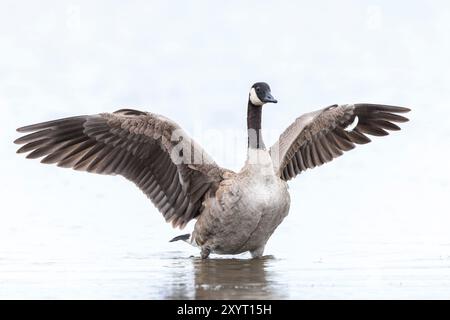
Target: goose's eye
[257, 89]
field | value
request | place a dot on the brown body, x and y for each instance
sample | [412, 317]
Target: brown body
[245, 210]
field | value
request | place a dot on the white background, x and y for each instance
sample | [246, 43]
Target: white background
[194, 61]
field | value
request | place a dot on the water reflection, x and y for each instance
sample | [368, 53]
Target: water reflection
[234, 279]
[223, 278]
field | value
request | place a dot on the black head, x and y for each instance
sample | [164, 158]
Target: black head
[260, 94]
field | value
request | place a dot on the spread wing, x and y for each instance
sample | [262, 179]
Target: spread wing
[147, 149]
[318, 137]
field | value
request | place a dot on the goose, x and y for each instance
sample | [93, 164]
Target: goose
[235, 212]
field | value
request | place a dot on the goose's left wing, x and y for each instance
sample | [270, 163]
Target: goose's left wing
[318, 137]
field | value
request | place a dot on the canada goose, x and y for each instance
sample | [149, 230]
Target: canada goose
[235, 212]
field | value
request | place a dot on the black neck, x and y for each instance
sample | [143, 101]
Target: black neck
[255, 140]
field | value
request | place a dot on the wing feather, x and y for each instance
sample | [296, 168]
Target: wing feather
[134, 144]
[319, 137]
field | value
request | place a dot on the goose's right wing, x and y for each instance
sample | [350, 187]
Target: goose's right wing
[148, 149]
[318, 137]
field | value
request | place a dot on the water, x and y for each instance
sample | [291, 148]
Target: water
[172, 277]
[64, 261]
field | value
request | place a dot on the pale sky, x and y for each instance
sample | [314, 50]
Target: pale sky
[194, 62]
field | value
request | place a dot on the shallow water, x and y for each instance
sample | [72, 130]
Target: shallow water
[368, 270]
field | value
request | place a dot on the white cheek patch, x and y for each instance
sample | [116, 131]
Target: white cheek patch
[352, 125]
[254, 98]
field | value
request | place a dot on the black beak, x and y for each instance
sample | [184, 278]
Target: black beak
[269, 98]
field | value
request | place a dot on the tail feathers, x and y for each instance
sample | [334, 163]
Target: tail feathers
[184, 237]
